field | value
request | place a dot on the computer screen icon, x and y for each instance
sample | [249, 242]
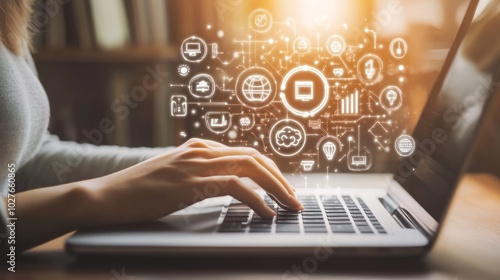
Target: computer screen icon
[304, 90]
[192, 49]
[359, 160]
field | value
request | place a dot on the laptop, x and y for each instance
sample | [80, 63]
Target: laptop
[345, 214]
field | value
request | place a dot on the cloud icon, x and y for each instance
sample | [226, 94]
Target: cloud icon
[288, 137]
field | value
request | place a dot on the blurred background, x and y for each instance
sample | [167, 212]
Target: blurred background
[92, 54]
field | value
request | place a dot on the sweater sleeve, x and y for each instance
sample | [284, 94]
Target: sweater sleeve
[59, 162]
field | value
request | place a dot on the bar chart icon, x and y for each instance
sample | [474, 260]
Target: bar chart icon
[350, 104]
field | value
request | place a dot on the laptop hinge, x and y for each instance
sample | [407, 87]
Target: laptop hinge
[402, 216]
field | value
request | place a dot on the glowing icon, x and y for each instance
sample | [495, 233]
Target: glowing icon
[260, 20]
[350, 104]
[245, 122]
[218, 122]
[183, 70]
[215, 50]
[370, 69]
[315, 124]
[287, 137]
[194, 49]
[302, 45]
[359, 157]
[183, 134]
[405, 145]
[304, 90]
[307, 165]
[178, 106]
[336, 45]
[359, 160]
[202, 86]
[398, 48]
[256, 88]
[329, 146]
[222, 122]
[329, 149]
[338, 72]
[391, 98]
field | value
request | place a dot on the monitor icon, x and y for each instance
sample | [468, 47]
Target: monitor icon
[304, 90]
[192, 49]
[359, 160]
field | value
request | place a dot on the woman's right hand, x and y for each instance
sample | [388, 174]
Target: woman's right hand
[197, 170]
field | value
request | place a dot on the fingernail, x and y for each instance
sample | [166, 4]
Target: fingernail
[270, 212]
[295, 202]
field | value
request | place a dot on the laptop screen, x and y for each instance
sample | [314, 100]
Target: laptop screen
[452, 116]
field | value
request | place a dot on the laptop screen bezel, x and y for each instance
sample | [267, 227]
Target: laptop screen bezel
[420, 214]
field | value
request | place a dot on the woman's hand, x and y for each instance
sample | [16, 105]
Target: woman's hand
[197, 170]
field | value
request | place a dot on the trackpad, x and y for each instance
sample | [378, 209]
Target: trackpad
[200, 217]
[193, 219]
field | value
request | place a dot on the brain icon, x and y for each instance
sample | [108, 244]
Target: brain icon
[288, 137]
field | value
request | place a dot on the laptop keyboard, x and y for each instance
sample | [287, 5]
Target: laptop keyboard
[323, 214]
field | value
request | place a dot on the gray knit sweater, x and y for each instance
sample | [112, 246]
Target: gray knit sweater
[41, 159]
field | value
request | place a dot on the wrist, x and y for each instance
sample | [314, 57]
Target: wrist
[106, 201]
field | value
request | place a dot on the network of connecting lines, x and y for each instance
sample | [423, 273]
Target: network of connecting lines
[313, 99]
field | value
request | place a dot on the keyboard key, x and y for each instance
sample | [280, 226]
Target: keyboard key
[235, 219]
[245, 211]
[339, 220]
[342, 229]
[253, 223]
[287, 222]
[315, 229]
[260, 225]
[365, 229]
[287, 228]
[287, 217]
[312, 214]
[232, 230]
[315, 221]
[312, 217]
[260, 230]
[340, 223]
[311, 211]
[232, 227]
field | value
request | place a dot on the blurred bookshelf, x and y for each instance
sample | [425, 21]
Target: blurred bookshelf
[90, 53]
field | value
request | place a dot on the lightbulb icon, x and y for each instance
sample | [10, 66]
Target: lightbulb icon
[399, 50]
[329, 149]
[391, 96]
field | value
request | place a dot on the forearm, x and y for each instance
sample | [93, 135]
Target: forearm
[47, 213]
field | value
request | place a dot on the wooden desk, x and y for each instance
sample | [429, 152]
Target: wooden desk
[469, 248]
